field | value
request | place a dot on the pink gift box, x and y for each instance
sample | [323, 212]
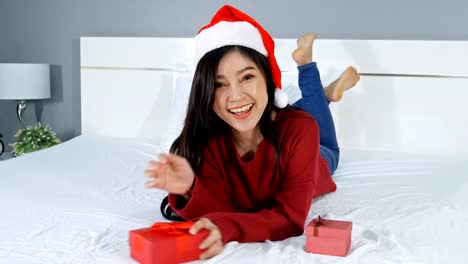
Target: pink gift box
[328, 237]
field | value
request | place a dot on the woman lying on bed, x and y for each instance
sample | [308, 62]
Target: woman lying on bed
[246, 165]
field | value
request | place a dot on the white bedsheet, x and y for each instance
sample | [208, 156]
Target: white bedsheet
[76, 202]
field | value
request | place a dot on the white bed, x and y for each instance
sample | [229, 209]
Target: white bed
[76, 202]
[404, 190]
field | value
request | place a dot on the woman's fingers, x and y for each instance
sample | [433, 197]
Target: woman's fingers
[199, 225]
[211, 239]
[213, 250]
[158, 173]
[171, 173]
[173, 159]
[153, 167]
[213, 242]
[156, 183]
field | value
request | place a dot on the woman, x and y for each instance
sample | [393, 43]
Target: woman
[246, 166]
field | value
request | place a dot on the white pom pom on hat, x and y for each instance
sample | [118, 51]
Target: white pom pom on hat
[229, 26]
[281, 98]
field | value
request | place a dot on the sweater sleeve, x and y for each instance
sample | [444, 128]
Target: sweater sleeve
[293, 199]
[208, 194]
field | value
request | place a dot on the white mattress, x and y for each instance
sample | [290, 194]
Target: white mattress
[76, 202]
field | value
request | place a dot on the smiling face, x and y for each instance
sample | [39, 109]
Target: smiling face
[241, 93]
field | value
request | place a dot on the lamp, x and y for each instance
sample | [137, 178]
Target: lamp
[22, 82]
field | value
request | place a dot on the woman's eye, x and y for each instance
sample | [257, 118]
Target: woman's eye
[248, 77]
[218, 84]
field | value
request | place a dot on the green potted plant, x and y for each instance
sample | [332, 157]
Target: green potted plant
[34, 138]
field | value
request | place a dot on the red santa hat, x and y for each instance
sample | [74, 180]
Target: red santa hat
[229, 26]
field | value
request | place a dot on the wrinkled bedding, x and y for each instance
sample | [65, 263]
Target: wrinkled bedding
[76, 202]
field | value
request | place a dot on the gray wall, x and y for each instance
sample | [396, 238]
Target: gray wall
[48, 31]
[3, 27]
[4, 106]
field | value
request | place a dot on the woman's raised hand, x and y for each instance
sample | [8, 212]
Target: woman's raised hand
[171, 173]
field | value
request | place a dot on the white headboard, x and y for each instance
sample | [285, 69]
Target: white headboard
[413, 95]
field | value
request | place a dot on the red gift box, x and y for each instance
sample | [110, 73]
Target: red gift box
[328, 237]
[166, 243]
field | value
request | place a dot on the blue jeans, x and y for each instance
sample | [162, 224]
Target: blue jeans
[315, 103]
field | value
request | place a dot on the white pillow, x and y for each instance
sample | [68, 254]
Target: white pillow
[290, 85]
[180, 95]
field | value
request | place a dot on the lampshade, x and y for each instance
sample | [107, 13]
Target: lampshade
[22, 81]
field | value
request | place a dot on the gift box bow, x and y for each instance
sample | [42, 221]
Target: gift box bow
[318, 221]
[174, 229]
[329, 228]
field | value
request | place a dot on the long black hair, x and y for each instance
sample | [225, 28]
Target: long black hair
[201, 122]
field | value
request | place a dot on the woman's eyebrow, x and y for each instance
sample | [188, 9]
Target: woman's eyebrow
[220, 76]
[246, 69]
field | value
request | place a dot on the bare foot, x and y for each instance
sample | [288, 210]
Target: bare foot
[347, 80]
[303, 54]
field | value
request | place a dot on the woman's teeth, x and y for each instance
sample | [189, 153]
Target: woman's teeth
[241, 109]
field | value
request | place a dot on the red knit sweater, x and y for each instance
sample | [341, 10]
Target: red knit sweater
[245, 199]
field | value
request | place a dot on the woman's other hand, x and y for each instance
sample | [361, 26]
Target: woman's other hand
[213, 243]
[171, 173]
